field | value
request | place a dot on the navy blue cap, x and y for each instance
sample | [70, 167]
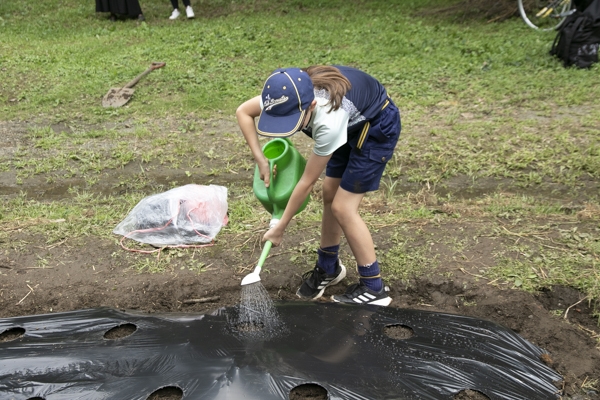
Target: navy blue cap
[286, 96]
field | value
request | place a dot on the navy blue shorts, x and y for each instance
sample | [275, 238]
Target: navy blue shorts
[361, 169]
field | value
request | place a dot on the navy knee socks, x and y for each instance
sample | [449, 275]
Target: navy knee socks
[328, 257]
[370, 276]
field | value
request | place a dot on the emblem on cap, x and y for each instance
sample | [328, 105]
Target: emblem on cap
[269, 103]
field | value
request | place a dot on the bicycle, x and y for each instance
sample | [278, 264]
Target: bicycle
[545, 15]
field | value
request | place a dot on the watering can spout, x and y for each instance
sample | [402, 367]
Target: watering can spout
[287, 166]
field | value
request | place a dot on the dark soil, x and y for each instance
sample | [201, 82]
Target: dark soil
[571, 342]
[95, 272]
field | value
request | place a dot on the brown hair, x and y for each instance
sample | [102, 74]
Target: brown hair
[330, 79]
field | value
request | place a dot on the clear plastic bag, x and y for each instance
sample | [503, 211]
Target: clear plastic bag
[182, 216]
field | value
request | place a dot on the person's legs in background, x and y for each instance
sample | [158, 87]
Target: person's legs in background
[188, 9]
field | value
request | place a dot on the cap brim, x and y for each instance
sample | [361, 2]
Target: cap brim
[280, 126]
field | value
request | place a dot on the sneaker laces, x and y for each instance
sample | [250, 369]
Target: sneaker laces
[312, 276]
[353, 288]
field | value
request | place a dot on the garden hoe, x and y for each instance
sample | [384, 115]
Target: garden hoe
[117, 97]
[254, 276]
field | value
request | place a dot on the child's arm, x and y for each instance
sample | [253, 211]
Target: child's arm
[314, 167]
[245, 114]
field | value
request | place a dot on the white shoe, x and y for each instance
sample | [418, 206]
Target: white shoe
[189, 12]
[175, 14]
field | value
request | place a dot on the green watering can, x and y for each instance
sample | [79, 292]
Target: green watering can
[286, 166]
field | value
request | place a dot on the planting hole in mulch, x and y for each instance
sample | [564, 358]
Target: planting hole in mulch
[309, 391]
[36, 398]
[167, 393]
[250, 327]
[399, 332]
[120, 331]
[470, 395]
[11, 334]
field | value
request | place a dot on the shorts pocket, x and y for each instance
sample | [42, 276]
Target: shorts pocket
[380, 155]
[386, 127]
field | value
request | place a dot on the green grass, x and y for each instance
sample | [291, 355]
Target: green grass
[404, 262]
[506, 112]
[60, 58]
[481, 102]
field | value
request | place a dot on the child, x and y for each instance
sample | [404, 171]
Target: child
[189, 12]
[355, 126]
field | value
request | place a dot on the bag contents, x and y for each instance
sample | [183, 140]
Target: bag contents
[184, 215]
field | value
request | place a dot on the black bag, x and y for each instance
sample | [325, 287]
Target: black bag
[578, 37]
[581, 5]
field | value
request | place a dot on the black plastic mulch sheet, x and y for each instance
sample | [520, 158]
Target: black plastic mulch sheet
[345, 349]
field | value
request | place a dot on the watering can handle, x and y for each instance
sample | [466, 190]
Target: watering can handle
[274, 172]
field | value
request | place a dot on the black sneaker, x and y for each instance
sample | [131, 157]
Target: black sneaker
[360, 294]
[316, 280]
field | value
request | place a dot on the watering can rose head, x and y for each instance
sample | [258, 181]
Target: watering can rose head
[286, 96]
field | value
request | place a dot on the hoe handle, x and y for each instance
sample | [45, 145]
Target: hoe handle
[155, 65]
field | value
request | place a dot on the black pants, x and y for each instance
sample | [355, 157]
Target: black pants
[130, 8]
[175, 3]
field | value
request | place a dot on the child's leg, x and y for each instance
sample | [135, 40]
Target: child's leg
[175, 4]
[328, 271]
[345, 209]
[186, 3]
[362, 174]
[331, 231]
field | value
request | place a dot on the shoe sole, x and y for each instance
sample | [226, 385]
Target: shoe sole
[380, 302]
[319, 294]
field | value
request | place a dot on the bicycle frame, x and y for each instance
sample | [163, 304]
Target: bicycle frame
[545, 15]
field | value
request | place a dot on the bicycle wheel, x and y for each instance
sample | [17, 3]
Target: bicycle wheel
[544, 15]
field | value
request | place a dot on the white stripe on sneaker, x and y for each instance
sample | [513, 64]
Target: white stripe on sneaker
[324, 284]
[382, 302]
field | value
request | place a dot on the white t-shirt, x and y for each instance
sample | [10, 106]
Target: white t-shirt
[329, 128]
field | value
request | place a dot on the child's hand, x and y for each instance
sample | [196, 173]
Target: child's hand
[274, 236]
[265, 172]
